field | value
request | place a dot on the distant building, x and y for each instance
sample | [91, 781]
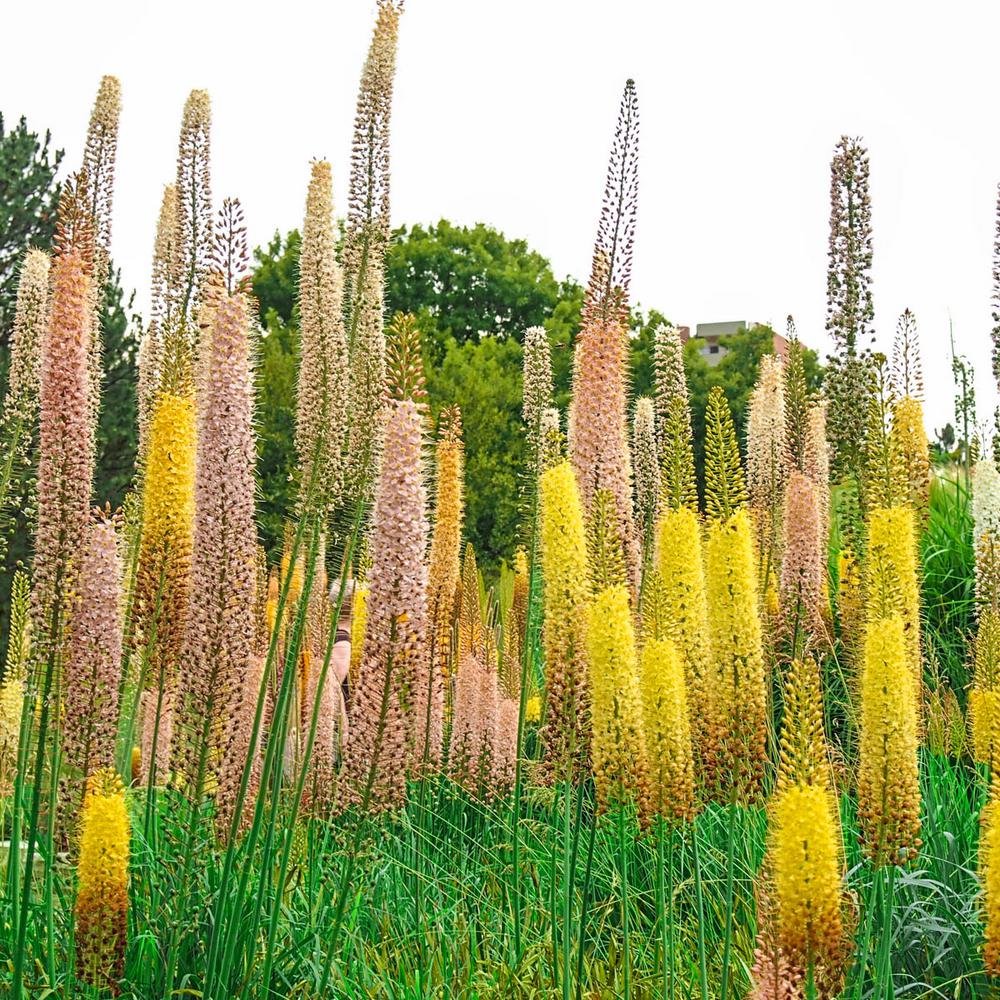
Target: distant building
[709, 335]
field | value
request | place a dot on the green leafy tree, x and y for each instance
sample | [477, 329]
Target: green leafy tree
[117, 433]
[472, 281]
[277, 370]
[29, 198]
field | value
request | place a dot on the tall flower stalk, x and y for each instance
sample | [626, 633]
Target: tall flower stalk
[66, 451]
[321, 414]
[598, 444]
[566, 733]
[365, 245]
[219, 638]
[647, 473]
[444, 575]
[680, 564]
[888, 780]
[101, 910]
[667, 730]
[162, 318]
[19, 416]
[98, 166]
[734, 626]
[395, 720]
[849, 310]
[805, 860]
[618, 739]
[767, 469]
[537, 389]
[908, 415]
[93, 660]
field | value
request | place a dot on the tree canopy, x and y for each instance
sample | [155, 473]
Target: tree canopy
[29, 198]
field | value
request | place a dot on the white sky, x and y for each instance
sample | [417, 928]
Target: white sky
[504, 113]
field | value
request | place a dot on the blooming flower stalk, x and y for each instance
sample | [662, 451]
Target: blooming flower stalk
[888, 782]
[738, 657]
[740, 713]
[163, 576]
[986, 532]
[162, 317]
[20, 407]
[566, 733]
[98, 167]
[474, 759]
[671, 382]
[66, 450]
[618, 745]
[767, 470]
[537, 387]
[667, 731]
[989, 877]
[363, 256]
[219, 639]
[386, 704]
[911, 441]
[192, 254]
[93, 660]
[984, 698]
[892, 579]
[598, 445]
[803, 570]
[681, 571]
[321, 416]
[647, 472]
[102, 888]
[444, 574]
[807, 864]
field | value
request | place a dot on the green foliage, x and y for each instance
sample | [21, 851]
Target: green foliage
[29, 198]
[948, 592]
[469, 282]
[117, 434]
[277, 367]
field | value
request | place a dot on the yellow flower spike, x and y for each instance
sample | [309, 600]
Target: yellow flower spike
[892, 573]
[618, 745]
[679, 562]
[359, 622]
[102, 893]
[910, 440]
[984, 698]
[163, 580]
[667, 730]
[888, 777]
[11, 700]
[850, 598]
[805, 853]
[740, 712]
[565, 576]
[989, 875]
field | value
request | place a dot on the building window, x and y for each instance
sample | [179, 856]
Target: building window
[713, 348]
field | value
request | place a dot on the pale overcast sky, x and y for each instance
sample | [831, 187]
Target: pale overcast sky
[504, 112]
